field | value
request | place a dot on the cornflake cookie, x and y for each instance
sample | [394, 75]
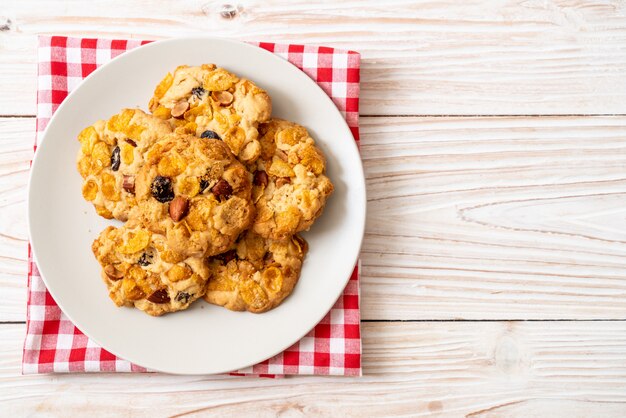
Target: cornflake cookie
[110, 157]
[140, 270]
[195, 192]
[211, 102]
[257, 275]
[290, 188]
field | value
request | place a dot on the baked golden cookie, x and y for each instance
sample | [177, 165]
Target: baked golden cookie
[140, 270]
[210, 102]
[257, 275]
[110, 157]
[196, 193]
[289, 186]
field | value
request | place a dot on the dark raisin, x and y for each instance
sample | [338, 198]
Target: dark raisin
[131, 142]
[115, 159]
[210, 135]
[182, 297]
[159, 296]
[198, 91]
[145, 259]
[161, 189]
[227, 256]
[204, 183]
[260, 178]
[222, 190]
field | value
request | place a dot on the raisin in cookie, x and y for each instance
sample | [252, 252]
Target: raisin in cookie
[290, 188]
[110, 156]
[140, 270]
[257, 275]
[210, 102]
[196, 193]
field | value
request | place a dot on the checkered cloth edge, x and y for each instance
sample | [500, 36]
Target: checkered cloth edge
[54, 344]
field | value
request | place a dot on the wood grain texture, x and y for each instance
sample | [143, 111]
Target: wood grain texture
[486, 369]
[496, 218]
[16, 150]
[468, 218]
[419, 57]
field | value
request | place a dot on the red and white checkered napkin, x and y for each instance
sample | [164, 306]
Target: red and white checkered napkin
[54, 344]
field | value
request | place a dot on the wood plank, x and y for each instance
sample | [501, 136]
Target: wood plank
[468, 218]
[419, 57]
[499, 218]
[482, 369]
[16, 149]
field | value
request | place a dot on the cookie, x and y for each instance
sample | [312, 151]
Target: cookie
[110, 157]
[194, 191]
[257, 274]
[289, 186]
[140, 270]
[210, 102]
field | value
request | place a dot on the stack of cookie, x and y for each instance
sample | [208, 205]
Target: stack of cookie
[212, 190]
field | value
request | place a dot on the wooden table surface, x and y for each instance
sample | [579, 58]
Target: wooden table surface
[494, 260]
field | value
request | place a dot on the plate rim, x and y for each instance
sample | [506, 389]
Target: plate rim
[361, 206]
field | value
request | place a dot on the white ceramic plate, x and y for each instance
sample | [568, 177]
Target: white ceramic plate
[204, 339]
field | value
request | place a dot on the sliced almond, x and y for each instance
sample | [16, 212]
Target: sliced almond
[180, 108]
[282, 155]
[179, 207]
[159, 296]
[281, 181]
[129, 184]
[222, 190]
[113, 273]
[224, 98]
